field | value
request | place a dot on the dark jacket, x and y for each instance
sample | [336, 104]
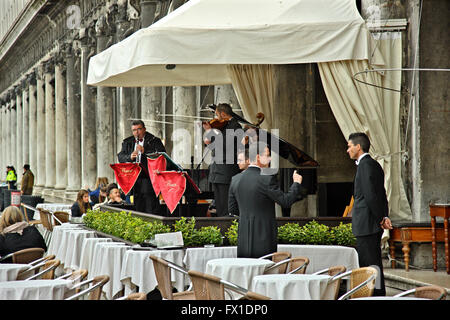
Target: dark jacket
[370, 201]
[75, 209]
[219, 170]
[12, 242]
[253, 196]
[27, 182]
[151, 144]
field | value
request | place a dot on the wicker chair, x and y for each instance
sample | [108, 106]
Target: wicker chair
[250, 295]
[362, 282]
[162, 272]
[24, 256]
[298, 265]
[332, 272]
[277, 256]
[60, 217]
[432, 292]
[94, 291]
[77, 275]
[46, 219]
[27, 208]
[47, 272]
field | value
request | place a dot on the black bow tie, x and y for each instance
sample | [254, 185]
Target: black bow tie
[140, 140]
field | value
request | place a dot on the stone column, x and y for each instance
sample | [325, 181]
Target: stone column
[184, 104]
[12, 130]
[50, 151]
[2, 138]
[19, 125]
[40, 130]
[25, 123]
[104, 113]
[60, 129]
[73, 122]
[88, 135]
[32, 132]
[151, 97]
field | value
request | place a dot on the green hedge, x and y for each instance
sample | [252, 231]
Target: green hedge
[310, 233]
[124, 225]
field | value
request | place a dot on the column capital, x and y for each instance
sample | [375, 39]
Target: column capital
[49, 65]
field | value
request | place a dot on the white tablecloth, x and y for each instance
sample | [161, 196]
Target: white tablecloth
[9, 271]
[107, 260]
[137, 270]
[74, 246]
[35, 290]
[87, 252]
[53, 207]
[196, 258]
[322, 257]
[57, 235]
[239, 271]
[293, 286]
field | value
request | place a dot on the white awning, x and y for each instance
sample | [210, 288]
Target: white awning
[194, 44]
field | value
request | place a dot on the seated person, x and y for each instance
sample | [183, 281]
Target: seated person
[16, 234]
[94, 195]
[82, 204]
[113, 196]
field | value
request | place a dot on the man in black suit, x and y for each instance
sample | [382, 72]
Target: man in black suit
[253, 195]
[135, 149]
[370, 208]
[224, 155]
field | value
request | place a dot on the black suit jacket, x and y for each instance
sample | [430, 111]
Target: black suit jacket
[253, 196]
[370, 201]
[222, 171]
[151, 144]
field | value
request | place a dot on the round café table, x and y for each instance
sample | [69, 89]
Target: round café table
[293, 286]
[36, 290]
[239, 271]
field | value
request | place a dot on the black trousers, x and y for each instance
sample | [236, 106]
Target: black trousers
[369, 254]
[145, 199]
[221, 198]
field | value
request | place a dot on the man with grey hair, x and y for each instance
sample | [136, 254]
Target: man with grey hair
[252, 196]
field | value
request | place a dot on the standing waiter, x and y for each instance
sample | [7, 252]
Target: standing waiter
[370, 209]
[134, 149]
[224, 165]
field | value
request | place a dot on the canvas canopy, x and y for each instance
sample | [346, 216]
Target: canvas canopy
[194, 44]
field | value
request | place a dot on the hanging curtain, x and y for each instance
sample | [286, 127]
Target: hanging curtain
[359, 107]
[255, 91]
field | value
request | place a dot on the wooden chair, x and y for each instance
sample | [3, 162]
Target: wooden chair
[24, 256]
[163, 277]
[334, 271]
[432, 292]
[209, 287]
[297, 265]
[362, 282]
[277, 256]
[250, 295]
[60, 217]
[46, 219]
[94, 291]
[26, 208]
[47, 272]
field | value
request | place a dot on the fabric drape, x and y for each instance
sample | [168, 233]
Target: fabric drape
[359, 107]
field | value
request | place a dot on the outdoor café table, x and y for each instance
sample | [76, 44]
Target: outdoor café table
[74, 244]
[323, 256]
[9, 271]
[36, 290]
[196, 258]
[137, 269]
[293, 286]
[87, 251]
[240, 271]
[52, 207]
[107, 260]
[57, 234]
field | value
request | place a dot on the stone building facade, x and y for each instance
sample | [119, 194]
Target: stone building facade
[70, 132]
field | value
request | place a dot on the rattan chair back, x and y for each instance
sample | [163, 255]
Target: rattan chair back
[298, 265]
[27, 255]
[206, 286]
[46, 219]
[62, 216]
[360, 275]
[250, 295]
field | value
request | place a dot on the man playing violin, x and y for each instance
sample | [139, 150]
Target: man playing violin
[223, 140]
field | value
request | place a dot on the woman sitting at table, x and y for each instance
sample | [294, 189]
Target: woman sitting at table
[82, 204]
[16, 234]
